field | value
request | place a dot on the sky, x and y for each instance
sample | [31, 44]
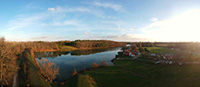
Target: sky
[118, 20]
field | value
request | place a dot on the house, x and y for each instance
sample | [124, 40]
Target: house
[136, 52]
[169, 56]
[129, 53]
[128, 45]
[126, 53]
[153, 54]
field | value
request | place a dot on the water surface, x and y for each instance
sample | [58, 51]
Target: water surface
[80, 59]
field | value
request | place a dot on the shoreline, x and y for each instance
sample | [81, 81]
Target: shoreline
[52, 50]
[64, 82]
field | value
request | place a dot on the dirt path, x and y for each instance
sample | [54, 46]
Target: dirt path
[15, 80]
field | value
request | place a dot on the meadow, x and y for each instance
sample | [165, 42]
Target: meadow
[137, 73]
[160, 50]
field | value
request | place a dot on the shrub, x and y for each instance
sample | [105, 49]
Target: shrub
[75, 72]
[103, 63]
[95, 65]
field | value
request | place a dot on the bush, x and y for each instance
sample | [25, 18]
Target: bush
[103, 63]
[95, 65]
[75, 72]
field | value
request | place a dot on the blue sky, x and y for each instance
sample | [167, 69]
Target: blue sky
[119, 20]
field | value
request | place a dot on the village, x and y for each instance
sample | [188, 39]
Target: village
[132, 52]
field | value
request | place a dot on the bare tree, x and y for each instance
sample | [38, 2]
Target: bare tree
[8, 63]
[95, 65]
[103, 63]
[50, 70]
[134, 47]
[75, 72]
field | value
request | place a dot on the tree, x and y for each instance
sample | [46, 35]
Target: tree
[133, 46]
[103, 63]
[95, 65]
[75, 72]
[8, 63]
[140, 48]
[146, 50]
[50, 70]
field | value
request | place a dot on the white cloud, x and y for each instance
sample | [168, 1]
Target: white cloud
[119, 28]
[72, 22]
[47, 38]
[86, 33]
[124, 37]
[22, 21]
[88, 10]
[154, 19]
[51, 9]
[115, 7]
[25, 22]
[68, 9]
[183, 27]
[40, 37]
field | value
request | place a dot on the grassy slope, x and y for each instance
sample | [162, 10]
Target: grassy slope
[143, 74]
[68, 48]
[82, 80]
[85, 81]
[135, 73]
[33, 75]
[159, 50]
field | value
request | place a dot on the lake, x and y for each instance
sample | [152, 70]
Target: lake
[80, 59]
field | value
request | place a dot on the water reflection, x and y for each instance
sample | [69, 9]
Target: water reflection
[73, 53]
[80, 60]
[91, 51]
[49, 54]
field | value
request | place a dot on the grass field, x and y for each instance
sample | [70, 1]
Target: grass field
[158, 50]
[68, 48]
[136, 73]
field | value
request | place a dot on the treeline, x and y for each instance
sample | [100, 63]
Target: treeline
[157, 44]
[193, 47]
[18, 47]
[95, 44]
[8, 64]
[189, 46]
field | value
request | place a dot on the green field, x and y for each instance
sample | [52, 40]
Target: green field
[136, 73]
[159, 50]
[68, 48]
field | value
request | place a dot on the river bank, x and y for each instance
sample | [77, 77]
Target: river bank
[30, 73]
[24, 77]
[67, 48]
